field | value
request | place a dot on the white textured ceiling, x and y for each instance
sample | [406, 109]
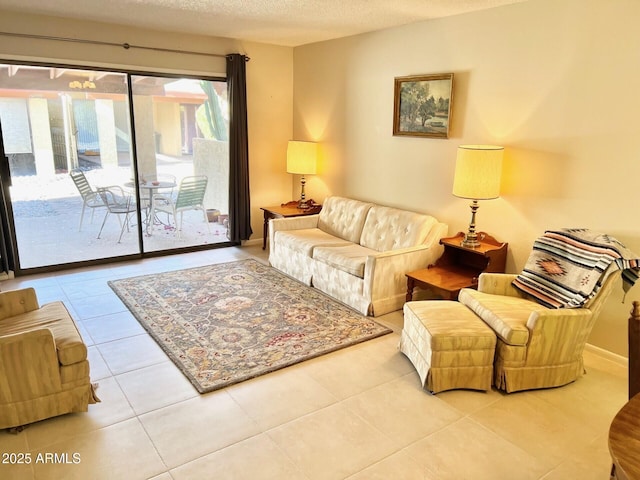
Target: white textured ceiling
[280, 22]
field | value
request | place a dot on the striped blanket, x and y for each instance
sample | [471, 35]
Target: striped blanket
[567, 267]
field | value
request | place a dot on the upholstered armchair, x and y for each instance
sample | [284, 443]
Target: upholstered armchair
[538, 347]
[44, 371]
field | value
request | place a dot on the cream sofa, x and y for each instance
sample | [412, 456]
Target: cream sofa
[356, 252]
[44, 371]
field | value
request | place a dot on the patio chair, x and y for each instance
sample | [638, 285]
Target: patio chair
[117, 203]
[90, 197]
[190, 197]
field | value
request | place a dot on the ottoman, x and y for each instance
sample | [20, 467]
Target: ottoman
[448, 344]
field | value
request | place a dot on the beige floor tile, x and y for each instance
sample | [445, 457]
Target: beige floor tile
[399, 466]
[155, 387]
[546, 431]
[112, 409]
[84, 333]
[198, 426]
[332, 443]
[255, 458]
[52, 293]
[81, 287]
[468, 401]
[279, 397]
[402, 411]
[595, 398]
[163, 476]
[119, 451]
[115, 326]
[466, 450]
[18, 466]
[131, 353]
[361, 367]
[393, 320]
[97, 305]
[592, 462]
[97, 366]
[346, 413]
[16, 461]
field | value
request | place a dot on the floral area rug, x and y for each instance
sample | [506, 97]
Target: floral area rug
[226, 323]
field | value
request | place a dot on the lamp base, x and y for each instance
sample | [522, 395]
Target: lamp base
[470, 240]
[471, 237]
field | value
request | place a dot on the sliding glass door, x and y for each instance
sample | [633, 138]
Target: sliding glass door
[97, 160]
[181, 131]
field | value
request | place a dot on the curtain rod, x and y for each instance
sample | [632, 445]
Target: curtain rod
[126, 46]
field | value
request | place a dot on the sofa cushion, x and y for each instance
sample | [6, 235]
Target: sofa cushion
[343, 218]
[507, 316]
[55, 317]
[388, 228]
[349, 258]
[305, 240]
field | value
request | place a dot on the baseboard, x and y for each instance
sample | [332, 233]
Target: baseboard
[252, 242]
[614, 357]
[7, 275]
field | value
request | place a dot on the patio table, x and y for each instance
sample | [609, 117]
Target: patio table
[152, 188]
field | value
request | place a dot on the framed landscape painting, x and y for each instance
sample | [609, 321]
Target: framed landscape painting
[422, 105]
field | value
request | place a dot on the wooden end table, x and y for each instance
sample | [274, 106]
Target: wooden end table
[624, 441]
[459, 267]
[284, 211]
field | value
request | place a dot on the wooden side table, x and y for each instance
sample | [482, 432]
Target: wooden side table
[284, 211]
[624, 432]
[459, 267]
[624, 441]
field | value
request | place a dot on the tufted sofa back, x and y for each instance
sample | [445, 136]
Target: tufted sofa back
[343, 217]
[390, 228]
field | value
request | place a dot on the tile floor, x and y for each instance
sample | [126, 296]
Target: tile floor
[358, 413]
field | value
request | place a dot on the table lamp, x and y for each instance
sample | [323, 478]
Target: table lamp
[301, 160]
[477, 177]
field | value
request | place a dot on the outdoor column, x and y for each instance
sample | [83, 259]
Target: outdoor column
[145, 134]
[107, 133]
[41, 136]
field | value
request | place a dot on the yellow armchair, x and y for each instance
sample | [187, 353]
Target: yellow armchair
[44, 371]
[537, 347]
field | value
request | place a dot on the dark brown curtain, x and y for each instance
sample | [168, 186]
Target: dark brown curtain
[239, 202]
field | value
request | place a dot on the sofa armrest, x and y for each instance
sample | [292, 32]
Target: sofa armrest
[29, 366]
[557, 335]
[499, 284]
[17, 302]
[291, 223]
[385, 272]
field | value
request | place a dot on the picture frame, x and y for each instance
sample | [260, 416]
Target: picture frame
[422, 105]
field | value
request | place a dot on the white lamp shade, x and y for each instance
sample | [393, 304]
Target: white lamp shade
[478, 171]
[301, 157]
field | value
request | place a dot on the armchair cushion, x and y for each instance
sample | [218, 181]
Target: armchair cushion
[69, 346]
[507, 316]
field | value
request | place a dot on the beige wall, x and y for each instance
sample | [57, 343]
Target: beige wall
[269, 81]
[166, 115]
[554, 81]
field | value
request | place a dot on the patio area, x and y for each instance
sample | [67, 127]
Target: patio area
[47, 217]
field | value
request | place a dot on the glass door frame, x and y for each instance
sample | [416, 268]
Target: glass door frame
[6, 211]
